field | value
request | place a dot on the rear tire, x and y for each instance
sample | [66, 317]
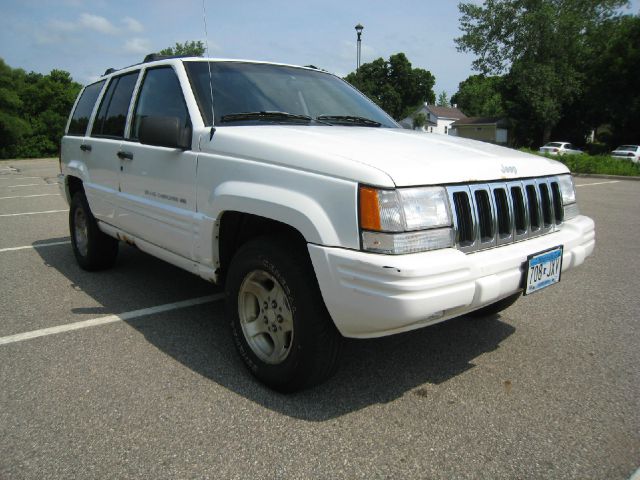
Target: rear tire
[280, 325]
[497, 307]
[93, 249]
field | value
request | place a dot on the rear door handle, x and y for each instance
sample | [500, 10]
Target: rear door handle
[85, 148]
[122, 155]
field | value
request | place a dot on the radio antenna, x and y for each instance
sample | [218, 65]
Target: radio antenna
[206, 44]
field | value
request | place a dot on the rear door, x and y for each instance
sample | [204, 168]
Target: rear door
[157, 202]
[107, 133]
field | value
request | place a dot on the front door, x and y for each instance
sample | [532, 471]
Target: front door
[157, 199]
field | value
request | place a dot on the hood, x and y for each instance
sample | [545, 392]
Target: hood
[378, 156]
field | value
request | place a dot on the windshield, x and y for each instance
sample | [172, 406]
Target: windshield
[627, 148]
[253, 88]
[553, 144]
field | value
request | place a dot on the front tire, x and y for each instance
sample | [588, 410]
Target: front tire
[279, 322]
[93, 249]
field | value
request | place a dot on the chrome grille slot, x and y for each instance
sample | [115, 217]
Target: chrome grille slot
[521, 219]
[504, 215]
[533, 208]
[466, 235]
[486, 215]
[558, 211]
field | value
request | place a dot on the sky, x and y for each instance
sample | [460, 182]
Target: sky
[85, 37]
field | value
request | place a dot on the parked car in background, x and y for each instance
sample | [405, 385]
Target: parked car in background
[559, 148]
[628, 152]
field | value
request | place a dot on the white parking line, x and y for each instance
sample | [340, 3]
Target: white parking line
[31, 213]
[19, 178]
[31, 196]
[39, 245]
[31, 185]
[597, 183]
[94, 322]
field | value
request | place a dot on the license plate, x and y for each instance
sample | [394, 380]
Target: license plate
[543, 269]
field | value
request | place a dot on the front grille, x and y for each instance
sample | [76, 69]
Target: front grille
[488, 215]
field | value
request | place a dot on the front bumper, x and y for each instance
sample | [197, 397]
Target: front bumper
[371, 295]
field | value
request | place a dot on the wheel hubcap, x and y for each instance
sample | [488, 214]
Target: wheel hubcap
[80, 232]
[265, 317]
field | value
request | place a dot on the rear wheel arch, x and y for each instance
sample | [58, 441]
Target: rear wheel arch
[73, 185]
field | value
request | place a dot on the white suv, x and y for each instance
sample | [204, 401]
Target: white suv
[320, 216]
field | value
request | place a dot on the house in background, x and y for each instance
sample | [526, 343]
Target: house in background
[486, 129]
[439, 119]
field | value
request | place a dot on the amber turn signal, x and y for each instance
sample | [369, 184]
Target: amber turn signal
[369, 209]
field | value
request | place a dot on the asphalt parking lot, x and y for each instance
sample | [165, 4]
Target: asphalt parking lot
[548, 389]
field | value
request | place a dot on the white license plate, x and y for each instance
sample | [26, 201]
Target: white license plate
[543, 269]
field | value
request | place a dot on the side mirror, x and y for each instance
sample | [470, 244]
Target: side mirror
[164, 132]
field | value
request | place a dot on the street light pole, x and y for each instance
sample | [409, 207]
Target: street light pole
[359, 29]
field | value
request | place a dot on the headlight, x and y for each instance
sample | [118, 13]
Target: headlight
[568, 192]
[406, 220]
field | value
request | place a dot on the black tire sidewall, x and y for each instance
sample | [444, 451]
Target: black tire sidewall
[101, 249]
[308, 315]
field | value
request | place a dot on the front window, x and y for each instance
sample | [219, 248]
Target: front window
[250, 87]
[160, 96]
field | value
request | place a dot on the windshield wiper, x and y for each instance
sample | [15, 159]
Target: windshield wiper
[264, 115]
[349, 120]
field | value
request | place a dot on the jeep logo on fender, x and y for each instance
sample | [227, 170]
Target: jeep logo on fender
[509, 169]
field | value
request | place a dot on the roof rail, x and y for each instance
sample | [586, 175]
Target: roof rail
[152, 57]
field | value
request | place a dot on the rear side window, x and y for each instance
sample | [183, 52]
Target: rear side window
[112, 115]
[160, 96]
[80, 118]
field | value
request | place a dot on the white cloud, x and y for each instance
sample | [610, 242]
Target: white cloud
[132, 24]
[137, 45]
[97, 23]
[62, 26]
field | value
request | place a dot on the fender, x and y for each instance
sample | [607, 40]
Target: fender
[293, 208]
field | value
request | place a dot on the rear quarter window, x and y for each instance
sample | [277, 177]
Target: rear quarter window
[84, 107]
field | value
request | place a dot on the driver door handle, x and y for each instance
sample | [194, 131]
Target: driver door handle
[125, 155]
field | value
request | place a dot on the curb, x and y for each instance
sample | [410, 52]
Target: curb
[602, 175]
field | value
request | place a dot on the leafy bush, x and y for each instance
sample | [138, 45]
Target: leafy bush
[602, 164]
[598, 164]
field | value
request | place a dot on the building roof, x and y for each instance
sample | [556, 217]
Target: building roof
[446, 112]
[497, 121]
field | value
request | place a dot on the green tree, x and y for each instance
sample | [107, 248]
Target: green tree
[479, 96]
[538, 44]
[12, 126]
[443, 100]
[194, 48]
[419, 120]
[612, 72]
[394, 84]
[33, 111]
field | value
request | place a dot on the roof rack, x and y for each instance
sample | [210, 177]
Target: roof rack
[152, 57]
